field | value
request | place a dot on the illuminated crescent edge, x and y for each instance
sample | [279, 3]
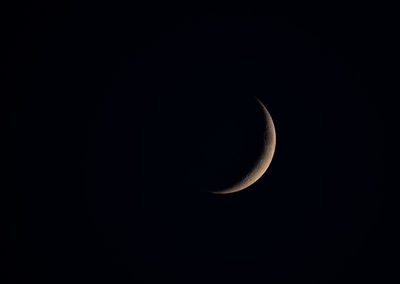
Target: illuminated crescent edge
[262, 164]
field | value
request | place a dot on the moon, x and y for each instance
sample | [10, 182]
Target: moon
[262, 163]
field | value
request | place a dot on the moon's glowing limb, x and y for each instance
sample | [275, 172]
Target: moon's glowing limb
[261, 166]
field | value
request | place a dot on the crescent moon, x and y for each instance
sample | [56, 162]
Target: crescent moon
[262, 164]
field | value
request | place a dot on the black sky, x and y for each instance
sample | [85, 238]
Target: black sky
[119, 119]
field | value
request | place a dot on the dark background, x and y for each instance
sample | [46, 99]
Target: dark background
[120, 118]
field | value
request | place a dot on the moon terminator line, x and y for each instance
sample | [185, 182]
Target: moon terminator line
[264, 160]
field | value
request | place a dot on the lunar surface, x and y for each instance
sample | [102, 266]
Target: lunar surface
[264, 160]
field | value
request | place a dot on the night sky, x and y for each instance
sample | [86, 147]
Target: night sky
[122, 119]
